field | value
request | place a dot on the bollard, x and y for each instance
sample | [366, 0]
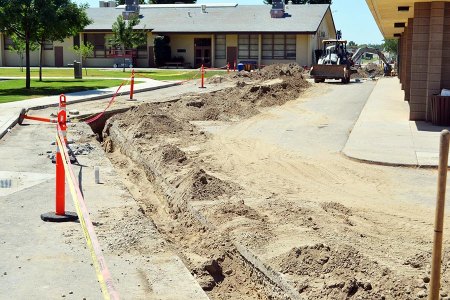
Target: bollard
[132, 85]
[436, 260]
[234, 67]
[228, 67]
[60, 214]
[203, 77]
[97, 174]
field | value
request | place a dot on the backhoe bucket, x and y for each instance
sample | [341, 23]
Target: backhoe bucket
[328, 71]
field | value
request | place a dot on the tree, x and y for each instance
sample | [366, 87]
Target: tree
[29, 20]
[162, 50]
[19, 47]
[391, 46]
[60, 19]
[352, 44]
[125, 37]
[84, 51]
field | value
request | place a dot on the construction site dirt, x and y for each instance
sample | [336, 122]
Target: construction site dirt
[248, 187]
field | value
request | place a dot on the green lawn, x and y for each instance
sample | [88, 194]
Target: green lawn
[14, 90]
[168, 74]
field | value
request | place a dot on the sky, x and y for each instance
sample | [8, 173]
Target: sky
[352, 17]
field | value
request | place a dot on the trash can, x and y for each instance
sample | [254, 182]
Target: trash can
[440, 110]
[77, 71]
[240, 67]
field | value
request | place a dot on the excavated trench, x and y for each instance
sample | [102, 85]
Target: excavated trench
[157, 148]
[149, 145]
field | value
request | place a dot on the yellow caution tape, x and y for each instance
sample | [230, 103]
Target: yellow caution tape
[103, 275]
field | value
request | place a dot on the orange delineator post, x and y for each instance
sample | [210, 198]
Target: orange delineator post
[60, 214]
[203, 77]
[228, 67]
[60, 173]
[62, 107]
[132, 85]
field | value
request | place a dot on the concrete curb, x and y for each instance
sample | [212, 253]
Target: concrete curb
[9, 124]
[383, 163]
[103, 96]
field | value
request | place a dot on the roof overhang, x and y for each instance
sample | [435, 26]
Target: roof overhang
[390, 15]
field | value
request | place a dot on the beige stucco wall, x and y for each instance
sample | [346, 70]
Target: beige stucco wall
[232, 40]
[11, 59]
[302, 48]
[68, 55]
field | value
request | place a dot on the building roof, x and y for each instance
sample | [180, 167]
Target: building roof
[217, 18]
[387, 13]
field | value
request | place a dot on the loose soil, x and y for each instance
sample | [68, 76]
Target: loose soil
[327, 224]
[370, 70]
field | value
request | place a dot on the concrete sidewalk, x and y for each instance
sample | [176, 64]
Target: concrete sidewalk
[383, 133]
[9, 112]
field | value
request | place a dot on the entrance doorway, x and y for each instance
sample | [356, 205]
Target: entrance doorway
[202, 52]
[59, 56]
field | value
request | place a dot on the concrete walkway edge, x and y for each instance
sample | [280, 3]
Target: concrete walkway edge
[384, 135]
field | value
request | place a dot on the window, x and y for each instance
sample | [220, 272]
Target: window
[248, 46]
[98, 41]
[7, 42]
[142, 51]
[48, 45]
[279, 46]
[76, 40]
[220, 46]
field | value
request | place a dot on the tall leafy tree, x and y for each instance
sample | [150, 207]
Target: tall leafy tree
[29, 20]
[391, 46]
[59, 19]
[125, 36]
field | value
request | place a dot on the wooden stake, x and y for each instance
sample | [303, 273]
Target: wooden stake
[435, 282]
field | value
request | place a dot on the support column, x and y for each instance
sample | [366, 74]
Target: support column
[399, 58]
[2, 51]
[435, 50]
[213, 51]
[408, 59]
[445, 69]
[419, 61]
[259, 50]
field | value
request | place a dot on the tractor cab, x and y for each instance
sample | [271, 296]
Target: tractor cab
[334, 53]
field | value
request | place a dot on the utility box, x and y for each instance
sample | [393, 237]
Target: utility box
[77, 70]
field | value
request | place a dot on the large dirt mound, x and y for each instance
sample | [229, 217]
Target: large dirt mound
[371, 70]
[273, 71]
[344, 273]
[204, 186]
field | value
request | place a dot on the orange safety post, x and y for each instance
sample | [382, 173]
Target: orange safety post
[228, 67]
[132, 85]
[60, 214]
[62, 107]
[203, 77]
